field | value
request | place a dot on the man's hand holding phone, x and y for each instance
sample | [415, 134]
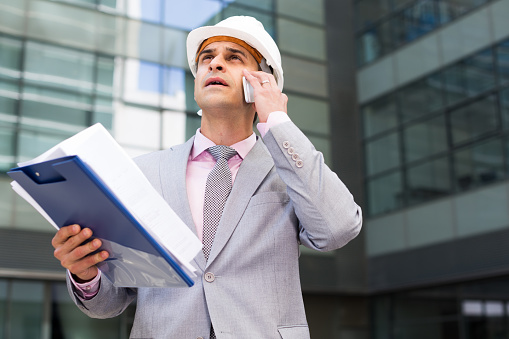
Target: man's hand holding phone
[266, 94]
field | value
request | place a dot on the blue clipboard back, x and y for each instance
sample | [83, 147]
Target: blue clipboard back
[70, 193]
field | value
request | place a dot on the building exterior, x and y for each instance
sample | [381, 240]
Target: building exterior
[67, 64]
[433, 101]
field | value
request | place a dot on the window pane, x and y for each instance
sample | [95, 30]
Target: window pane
[148, 10]
[191, 14]
[310, 10]
[59, 67]
[191, 105]
[266, 19]
[68, 321]
[10, 58]
[479, 72]
[263, 4]
[46, 109]
[421, 97]
[3, 307]
[380, 115]
[142, 82]
[26, 309]
[504, 106]
[301, 39]
[479, 165]
[415, 21]
[369, 11]
[474, 120]
[310, 115]
[385, 193]
[305, 76]
[34, 143]
[382, 154]
[174, 91]
[429, 181]
[374, 43]
[469, 77]
[7, 158]
[105, 72]
[452, 9]
[425, 139]
[503, 61]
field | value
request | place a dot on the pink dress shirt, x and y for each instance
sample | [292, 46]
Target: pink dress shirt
[199, 164]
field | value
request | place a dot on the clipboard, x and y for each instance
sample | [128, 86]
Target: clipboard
[70, 193]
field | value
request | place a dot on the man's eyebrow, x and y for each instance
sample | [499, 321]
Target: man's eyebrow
[205, 51]
[234, 50]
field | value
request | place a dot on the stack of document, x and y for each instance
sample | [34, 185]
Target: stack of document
[89, 180]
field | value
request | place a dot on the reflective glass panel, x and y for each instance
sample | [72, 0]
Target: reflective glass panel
[263, 4]
[191, 105]
[147, 10]
[26, 309]
[479, 72]
[428, 181]
[504, 106]
[503, 61]
[6, 147]
[421, 97]
[3, 307]
[266, 19]
[69, 322]
[105, 73]
[382, 154]
[380, 115]
[369, 11]
[103, 112]
[299, 39]
[59, 67]
[452, 9]
[310, 10]
[374, 43]
[174, 88]
[310, 115]
[474, 120]
[46, 109]
[10, 58]
[191, 14]
[385, 193]
[424, 139]
[415, 21]
[142, 82]
[34, 143]
[479, 165]
[469, 77]
[193, 122]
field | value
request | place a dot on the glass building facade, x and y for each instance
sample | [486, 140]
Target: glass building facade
[432, 90]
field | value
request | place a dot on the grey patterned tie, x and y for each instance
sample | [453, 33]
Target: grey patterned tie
[217, 190]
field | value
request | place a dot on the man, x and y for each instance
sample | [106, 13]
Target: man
[283, 195]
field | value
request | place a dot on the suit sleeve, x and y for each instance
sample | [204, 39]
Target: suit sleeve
[328, 215]
[109, 302]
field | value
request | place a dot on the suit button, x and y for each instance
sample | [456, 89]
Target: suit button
[209, 277]
[291, 150]
[295, 157]
[299, 163]
[286, 144]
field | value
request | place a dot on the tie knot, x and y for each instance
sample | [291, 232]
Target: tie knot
[222, 152]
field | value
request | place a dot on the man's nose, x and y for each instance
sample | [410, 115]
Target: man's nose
[217, 63]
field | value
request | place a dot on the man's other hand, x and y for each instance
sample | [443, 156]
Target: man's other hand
[75, 256]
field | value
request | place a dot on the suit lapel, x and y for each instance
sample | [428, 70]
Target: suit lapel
[254, 168]
[173, 185]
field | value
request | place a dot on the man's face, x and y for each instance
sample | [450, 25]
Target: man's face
[218, 81]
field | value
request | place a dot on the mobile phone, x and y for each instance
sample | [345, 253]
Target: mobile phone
[248, 91]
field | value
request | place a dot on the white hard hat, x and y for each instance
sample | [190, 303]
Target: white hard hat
[245, 28]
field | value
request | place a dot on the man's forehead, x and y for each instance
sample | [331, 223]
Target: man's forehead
[226, 45]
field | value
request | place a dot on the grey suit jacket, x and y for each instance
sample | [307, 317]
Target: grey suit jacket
[250, 286]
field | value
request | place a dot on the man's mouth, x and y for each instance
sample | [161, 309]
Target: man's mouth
[215, 82]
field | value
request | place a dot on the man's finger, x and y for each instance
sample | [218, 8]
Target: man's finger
[63, 234]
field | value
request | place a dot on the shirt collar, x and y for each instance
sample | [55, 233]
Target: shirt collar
[201, 143]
